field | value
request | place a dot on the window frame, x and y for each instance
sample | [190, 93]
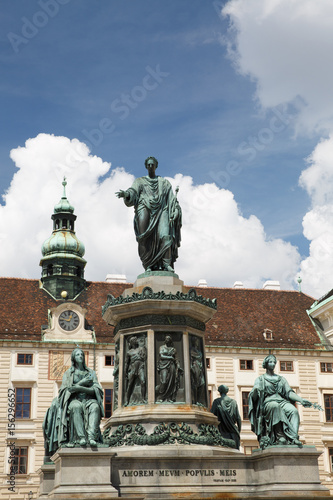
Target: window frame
[25, 354]
[20, 456]
[245, 407]
[329, 408]
[286, 369]
[23, 403]
[246, 361]
[112, 358]
[326, 363]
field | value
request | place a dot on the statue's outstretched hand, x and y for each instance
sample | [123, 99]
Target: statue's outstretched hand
[306, 403]
[121, 194]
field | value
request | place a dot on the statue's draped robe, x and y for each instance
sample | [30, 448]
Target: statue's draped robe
[155, 196]
[227, 412]
[168, 370]
[269, 405]
[60, 420]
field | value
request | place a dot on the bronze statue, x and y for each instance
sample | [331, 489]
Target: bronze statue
[197, 372]
[135, 371]
[116, 376]
[273, 416]
[227, 412]
[74, 416]
[157, 219]
[169, 372]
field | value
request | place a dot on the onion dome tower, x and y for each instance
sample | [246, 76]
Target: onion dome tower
[62, 262]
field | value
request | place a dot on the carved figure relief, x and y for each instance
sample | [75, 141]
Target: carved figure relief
[135, 371]
[116, 376]
[198, 385]
[169, 372]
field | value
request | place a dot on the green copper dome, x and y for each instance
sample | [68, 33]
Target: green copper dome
[63, 242]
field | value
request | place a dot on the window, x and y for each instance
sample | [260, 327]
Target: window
[328, 403]
[326, 367]
[246, 364]
[208, 363]
[330, 453]
[286, 366]
[22, 402]
[268, 334]
[108, 396]
[24, 359]
[210, 398]
[109, 360]
[20, 460]
[245, 404]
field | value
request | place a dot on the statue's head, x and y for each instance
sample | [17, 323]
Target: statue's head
[133, 342]
[168, 340]
[150, 160]
[76, 356]
[269, 358]
[223, 389]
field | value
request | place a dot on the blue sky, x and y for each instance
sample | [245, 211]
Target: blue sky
[132, 79]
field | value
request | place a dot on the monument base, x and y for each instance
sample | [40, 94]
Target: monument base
[178, 471]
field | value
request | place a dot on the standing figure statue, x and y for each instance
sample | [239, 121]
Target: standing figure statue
[74, 416]
[227, 412]
[197, 373]
[274, 418]
[157, 219]
[135, 371]
[116, 376]
[169, 372]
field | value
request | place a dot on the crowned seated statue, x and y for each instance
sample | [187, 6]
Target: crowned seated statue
[74, 416]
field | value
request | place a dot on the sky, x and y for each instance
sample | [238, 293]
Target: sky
[232, 97]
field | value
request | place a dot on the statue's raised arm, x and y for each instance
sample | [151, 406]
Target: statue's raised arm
[157, 219]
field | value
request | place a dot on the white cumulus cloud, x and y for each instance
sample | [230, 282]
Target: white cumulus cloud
[218, 243]
[285, 47]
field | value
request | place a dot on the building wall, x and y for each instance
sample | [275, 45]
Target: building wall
[306, 379]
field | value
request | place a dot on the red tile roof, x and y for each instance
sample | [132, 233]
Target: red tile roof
[241, 318]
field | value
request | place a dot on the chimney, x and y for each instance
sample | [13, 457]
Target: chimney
[116, 278]
[271, 285]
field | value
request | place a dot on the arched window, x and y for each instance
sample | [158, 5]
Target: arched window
[49, 270]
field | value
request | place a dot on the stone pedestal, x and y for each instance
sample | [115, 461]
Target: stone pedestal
[79, 473]
[193, 471]
[171, 449]
[157, 307]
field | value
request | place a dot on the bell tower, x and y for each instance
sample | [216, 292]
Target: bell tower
[62, 262]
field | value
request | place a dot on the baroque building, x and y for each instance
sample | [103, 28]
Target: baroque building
[41, 321]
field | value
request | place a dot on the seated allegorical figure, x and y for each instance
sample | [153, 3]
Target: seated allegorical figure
[74, 416]
[273, 415]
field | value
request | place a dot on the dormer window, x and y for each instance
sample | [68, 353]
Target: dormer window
[268, 334]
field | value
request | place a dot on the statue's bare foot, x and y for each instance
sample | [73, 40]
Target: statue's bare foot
[169, 268]
[82, 442]
[70, 445]
[92, 442]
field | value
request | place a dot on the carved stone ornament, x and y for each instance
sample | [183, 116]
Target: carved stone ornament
[148, 293]
[182, 433]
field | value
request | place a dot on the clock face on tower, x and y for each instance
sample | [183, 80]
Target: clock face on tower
[69, 320]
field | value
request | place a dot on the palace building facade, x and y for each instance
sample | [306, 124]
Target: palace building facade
[42, 321]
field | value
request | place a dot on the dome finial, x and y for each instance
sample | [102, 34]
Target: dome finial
[64, 183]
